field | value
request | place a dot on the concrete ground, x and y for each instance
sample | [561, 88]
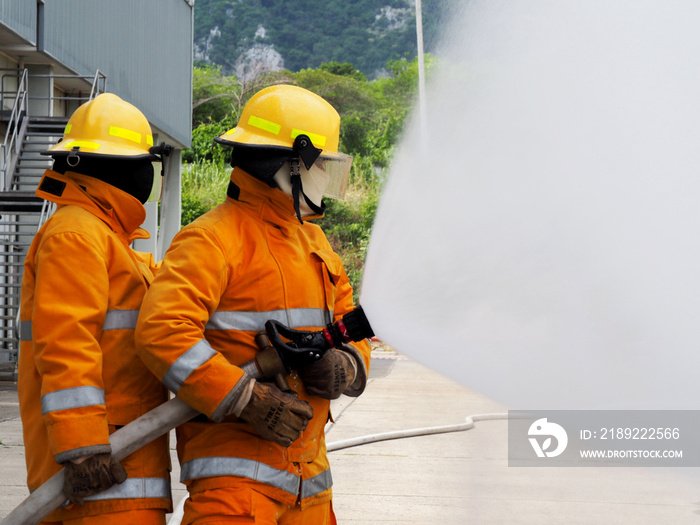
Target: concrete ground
[451, 478]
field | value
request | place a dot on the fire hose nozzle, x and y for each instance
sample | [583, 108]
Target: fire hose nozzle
[283, 349]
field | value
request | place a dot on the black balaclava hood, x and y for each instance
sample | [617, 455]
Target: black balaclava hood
[133, 176]
[261, 162]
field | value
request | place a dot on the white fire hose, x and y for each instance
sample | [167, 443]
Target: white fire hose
[124, 441]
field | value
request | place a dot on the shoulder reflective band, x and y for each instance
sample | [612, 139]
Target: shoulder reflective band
[318, 140]
[246, 468]
[317, 484]
[127, 134]
[264, 125]
[82, 144]
[255, 321]
[180, 370]
[136, 488]
[76, 397]
[120, 320]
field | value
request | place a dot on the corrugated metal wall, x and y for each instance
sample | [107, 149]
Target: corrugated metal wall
[20, 17]
[86, 35]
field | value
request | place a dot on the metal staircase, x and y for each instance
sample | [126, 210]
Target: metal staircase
[21, 211]
[21, 214]
[41, 133]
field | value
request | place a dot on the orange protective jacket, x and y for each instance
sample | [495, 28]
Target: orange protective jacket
[244, 262]
[79, 375]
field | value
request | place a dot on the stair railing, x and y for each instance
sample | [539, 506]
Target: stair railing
[99, 84]
[19, 110]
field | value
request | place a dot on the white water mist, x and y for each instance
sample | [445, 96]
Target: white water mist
[540, 243]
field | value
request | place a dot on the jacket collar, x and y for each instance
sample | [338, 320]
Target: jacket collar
[122, 212]
[269, 204]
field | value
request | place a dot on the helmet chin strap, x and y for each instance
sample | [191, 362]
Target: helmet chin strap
[307, 152]
[298, 192]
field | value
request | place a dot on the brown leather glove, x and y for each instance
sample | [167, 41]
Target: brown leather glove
[96, 474]
[275, 415]
[331, 375]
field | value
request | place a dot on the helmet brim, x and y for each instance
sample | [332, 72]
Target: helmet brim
[97, 148]
[241, 137]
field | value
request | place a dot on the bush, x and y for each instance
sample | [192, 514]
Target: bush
[204, 186]
[204, 149]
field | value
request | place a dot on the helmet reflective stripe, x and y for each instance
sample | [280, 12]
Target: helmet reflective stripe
[127, 134]
[263, 124]
[318, 140]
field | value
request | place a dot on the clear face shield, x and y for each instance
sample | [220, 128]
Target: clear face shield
[162, 151]
[328, 176]
[332, 174]
[157, 189]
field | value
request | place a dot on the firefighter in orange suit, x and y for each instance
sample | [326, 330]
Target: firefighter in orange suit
[79, 375]
[257, 453]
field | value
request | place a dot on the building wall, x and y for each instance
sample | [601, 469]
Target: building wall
[155, 76]
[19, 16]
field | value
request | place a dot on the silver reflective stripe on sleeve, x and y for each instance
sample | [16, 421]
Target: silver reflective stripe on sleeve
[76, 397]
[120, 320]
[187, 363]
[246, 468]
[25, 331]
[114, 320]
[135, 488]
[317, 484]
[255, 321]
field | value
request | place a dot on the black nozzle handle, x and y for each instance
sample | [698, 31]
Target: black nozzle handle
[299, 347]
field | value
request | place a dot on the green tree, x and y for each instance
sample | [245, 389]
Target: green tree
[213, 95]
[346, 69]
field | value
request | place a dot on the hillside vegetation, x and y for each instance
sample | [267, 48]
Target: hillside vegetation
[248, 37]
[372, 118]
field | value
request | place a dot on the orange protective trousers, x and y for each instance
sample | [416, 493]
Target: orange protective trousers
[230, 505]
[142, 517]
